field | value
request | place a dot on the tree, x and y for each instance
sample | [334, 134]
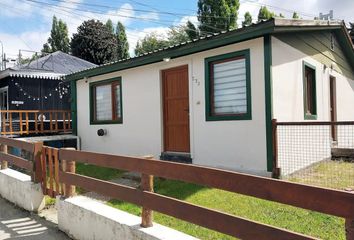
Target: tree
[109, 25]
[59, 39]
[265, 14]
[94, 42]
[295, 15]
[248, 19]
[191, 31]
[150, 43]
[215, 16]
[177, 34]
[122, 41]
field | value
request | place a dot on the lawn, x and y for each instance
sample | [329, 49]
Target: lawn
[98, 172]
[279, 215]
[329, 173]
[295, 219]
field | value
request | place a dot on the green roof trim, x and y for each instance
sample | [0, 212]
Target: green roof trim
[220, 40]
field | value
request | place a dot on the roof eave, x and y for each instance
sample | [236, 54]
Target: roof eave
[181, 50]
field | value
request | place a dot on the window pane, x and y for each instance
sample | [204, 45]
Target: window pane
[103, 102]
[230, 90]
[117, 101]
[310, 91]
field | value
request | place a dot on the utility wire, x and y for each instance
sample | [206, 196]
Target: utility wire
[161, 22]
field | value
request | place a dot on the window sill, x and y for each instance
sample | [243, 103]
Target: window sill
[310, 117]
[229, 118]
[106, 122]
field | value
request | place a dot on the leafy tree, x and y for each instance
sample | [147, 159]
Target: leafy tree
[122, 41]
[248, 19]
[46, 48]
[150, 43]
[94, 42]
[28, 60]
[265, 14]
[109, 25]
[216, 16]
[295, 15]
[177, 35]
[59, 39]
[191, 31]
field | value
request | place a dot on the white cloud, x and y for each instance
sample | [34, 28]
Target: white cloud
[185, 19]
[23, 9]
[124, 14]
[27, 40]
[150, 16]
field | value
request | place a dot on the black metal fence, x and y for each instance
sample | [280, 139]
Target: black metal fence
[315, 153]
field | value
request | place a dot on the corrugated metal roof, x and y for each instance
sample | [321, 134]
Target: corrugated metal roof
[52, 66]
[147, 58]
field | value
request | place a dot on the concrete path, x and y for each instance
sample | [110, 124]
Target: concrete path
[19, 224]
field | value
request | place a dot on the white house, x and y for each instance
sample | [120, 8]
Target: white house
[211, 101]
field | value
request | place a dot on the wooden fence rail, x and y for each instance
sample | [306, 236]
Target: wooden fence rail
[24, 122]
[337, 203]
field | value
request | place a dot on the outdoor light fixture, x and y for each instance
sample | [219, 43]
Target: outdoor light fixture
[166, 59]
[101, 132]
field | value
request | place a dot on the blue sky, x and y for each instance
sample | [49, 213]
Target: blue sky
[25, 24]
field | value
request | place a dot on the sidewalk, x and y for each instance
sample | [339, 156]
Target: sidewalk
[18, 224]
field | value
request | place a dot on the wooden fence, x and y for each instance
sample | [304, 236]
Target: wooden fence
[63, 179]
[24, 122]
[332, 202]
[32, 150]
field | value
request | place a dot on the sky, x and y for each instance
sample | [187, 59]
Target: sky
[26, 24]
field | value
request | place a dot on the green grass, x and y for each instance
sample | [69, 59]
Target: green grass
[49, 201]
[98, 172]
[279, 215]
[331, 174]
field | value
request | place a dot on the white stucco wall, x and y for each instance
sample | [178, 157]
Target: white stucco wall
[237, 145]
[300, 146]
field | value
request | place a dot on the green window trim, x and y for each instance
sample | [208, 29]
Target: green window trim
[92, 102]
[312, 116]
[208, 100]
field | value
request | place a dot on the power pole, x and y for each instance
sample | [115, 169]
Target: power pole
[2, 56]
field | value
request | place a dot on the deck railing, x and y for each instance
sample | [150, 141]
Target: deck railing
[26, 122]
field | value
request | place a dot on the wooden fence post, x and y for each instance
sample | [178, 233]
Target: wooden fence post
[37, 166]
[147, 184]
[70, 167]
[276, 169]
[4, 163]
[349, 229]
